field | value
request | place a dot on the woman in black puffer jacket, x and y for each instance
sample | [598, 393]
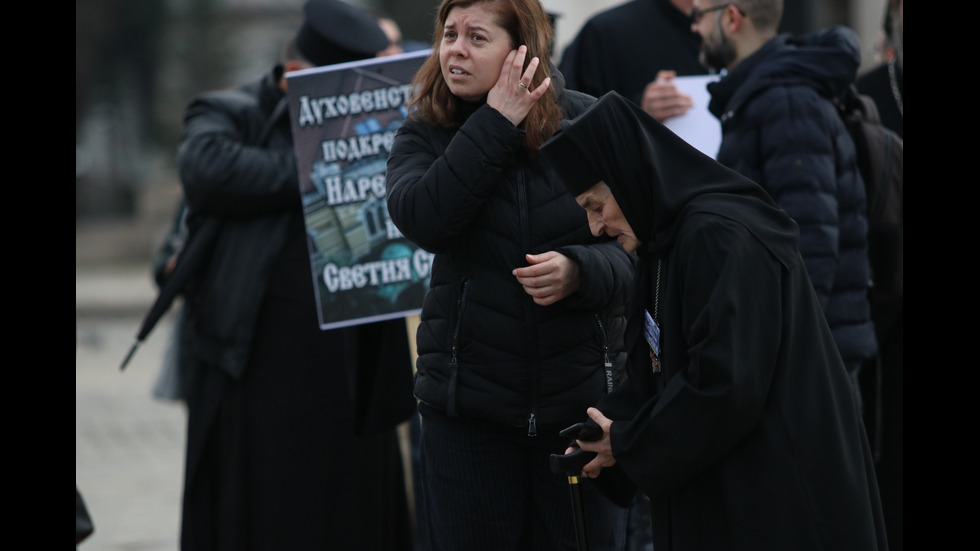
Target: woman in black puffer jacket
[522, 326]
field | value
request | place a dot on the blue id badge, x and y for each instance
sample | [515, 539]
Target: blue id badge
[652, 333]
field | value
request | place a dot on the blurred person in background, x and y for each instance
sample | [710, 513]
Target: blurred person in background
[281, 453]
[885, 85]
[636, 48]
[394, 33]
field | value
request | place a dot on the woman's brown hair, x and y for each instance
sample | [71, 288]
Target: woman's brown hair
[527, 23]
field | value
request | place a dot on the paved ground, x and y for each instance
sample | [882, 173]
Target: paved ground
[128, 446]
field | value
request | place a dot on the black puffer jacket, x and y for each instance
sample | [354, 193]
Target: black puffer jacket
[486, 350]
[781, 129]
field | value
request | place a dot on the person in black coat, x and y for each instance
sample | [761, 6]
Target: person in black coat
[883, 384]
[885, 83]
[636, 48]
[281, 453]
[522, 324]
[738, 418]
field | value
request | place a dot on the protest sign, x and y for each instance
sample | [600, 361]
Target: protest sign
[344, 118]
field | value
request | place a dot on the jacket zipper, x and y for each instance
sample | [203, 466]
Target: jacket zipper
[532, 420]
[454, 360]
[606, 362]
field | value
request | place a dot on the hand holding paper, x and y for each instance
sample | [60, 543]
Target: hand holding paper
[697, 126]
[662, 99]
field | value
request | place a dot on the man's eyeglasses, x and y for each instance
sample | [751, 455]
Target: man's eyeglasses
[696, 14]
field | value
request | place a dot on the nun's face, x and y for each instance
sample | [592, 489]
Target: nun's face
[605, 217]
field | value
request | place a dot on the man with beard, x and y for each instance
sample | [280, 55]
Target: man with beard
[781, 129]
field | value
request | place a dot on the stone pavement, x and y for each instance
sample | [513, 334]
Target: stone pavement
[128, 445]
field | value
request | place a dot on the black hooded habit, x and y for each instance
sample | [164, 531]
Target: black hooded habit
[750, 436]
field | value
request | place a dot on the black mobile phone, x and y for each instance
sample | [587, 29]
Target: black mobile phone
[588, 431]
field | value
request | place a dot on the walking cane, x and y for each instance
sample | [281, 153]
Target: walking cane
[571, 464]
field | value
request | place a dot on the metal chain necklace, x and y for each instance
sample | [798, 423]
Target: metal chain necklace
[893, 80]
[656, 293]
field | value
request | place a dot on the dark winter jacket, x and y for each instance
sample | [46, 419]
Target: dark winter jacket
[252, 191]
[781, 129]
[486, 350]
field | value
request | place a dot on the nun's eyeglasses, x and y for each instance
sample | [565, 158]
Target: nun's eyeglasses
[696, 14]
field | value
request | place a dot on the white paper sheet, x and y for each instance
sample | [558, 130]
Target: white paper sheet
[698, 126]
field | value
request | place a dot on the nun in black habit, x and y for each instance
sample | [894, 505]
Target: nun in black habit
[742, 427]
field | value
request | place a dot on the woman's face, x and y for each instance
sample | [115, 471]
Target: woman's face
[472, 51]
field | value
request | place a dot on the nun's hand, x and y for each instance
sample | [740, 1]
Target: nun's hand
[603, 446]
[550, 277]
[513, 95]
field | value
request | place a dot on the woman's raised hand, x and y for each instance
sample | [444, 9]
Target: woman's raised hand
[512, 95]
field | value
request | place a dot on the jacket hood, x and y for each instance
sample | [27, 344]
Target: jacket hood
[826, 61]
[658, 179]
